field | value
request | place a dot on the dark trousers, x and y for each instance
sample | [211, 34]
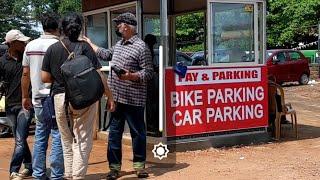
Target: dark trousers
[20, 121]
[134, 116]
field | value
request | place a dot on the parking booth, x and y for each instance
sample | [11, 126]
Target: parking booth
[226, 95]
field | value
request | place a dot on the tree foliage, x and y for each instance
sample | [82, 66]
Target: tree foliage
[290, 22]
[190, 31]
[14, 14]
[59, 6]
[25, 14]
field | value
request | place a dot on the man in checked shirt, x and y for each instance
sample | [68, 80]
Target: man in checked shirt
[129, 91]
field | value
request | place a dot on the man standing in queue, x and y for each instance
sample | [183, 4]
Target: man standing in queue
[132, 56]
[20, 118]
[32, 63]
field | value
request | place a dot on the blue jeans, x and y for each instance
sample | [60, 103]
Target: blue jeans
[134, 115]
[20, 121]
[43, 129]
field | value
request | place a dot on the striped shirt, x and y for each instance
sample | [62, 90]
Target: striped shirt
[135, 56]
[32, 58]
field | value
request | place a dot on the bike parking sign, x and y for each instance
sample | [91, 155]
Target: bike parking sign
[216, 99]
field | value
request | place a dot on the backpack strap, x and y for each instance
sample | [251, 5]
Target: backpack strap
[66, 100]
[71, 54]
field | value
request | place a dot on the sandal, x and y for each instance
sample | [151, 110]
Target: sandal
[142, 173]
[113, 174]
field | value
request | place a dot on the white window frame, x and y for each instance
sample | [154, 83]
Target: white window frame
[256, 33]
[109, 20]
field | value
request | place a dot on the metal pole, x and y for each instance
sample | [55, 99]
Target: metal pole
[318, 57]
[319, 41]
[163, 60]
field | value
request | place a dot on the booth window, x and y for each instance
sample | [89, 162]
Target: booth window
[232, 33]
[151, 25]
[97, 31]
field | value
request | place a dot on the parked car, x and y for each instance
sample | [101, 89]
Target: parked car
[198, 58]
[181, 58]
[288, 65]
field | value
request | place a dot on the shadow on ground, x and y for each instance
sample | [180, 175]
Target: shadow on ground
[304, 132]
[154, 169]
[97, 176]
[158, 169]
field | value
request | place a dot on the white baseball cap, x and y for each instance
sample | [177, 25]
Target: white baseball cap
[14, 35]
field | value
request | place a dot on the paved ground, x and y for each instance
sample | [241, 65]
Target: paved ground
[287, 159]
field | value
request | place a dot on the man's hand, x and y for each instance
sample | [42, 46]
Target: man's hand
[85, 38]
[129, 76]
[94, 47]
[111, 106]
[26, 103]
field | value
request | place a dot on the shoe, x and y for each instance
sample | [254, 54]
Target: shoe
[26, 173]
[142, 173]
[15, 176]
[113, 174]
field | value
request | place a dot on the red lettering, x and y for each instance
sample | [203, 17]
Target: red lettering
[189, 77]
[229, 75]
[214, 75]
[222, 76]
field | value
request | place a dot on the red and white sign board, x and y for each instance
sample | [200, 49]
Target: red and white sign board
[216, 99]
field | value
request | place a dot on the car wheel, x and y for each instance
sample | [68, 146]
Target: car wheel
[203, 63]
[304, 79]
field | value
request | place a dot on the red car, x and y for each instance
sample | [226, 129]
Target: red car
[287, 65]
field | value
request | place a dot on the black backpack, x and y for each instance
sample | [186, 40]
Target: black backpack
[83, 84]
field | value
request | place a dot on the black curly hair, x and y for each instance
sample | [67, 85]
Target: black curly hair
[72, 26]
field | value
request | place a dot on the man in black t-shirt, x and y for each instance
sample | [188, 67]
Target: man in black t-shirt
[11, 71]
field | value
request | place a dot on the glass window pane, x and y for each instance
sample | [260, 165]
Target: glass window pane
[97, 31]
[151, 36]
[232, 33]
[294, 55]
[151, 25]
[191, 36]
[281, 57]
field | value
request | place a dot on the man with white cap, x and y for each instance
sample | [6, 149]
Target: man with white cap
[11, 72]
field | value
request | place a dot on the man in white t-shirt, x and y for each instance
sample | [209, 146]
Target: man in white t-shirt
[32, 63]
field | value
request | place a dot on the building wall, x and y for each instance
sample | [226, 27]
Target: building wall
[89, 5]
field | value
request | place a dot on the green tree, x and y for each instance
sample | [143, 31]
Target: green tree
[25, 14]
[290, 22]
[14, 14]
[59, 6]
[190, 31]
